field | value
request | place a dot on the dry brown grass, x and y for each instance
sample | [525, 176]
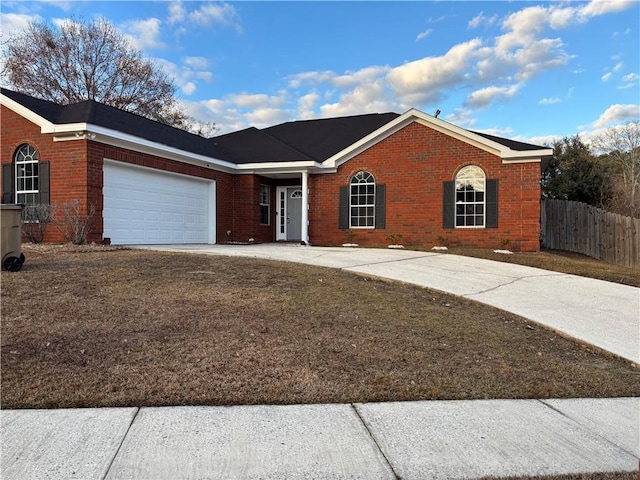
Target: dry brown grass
[112, 328]
[565, 262]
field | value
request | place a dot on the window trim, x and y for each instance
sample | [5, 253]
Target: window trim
[364, 179]
[32, 152]
[460, 178]
[265, 204]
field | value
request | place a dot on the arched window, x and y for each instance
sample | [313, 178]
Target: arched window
[470, 187]
[362, 200]
[27, 175]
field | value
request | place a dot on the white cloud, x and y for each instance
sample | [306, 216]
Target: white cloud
[186, 75]
[360, 77]
[310, 78]
[206, 76]
[625, 32]
[481, 19]
[631, 77]
[177, 12]
[497, 132]
[424, 34]
[216, 13]
[606, 77]
[549, 101]
[245, 100]
[631, 80]
[483, 97]
[15, 23]
[265, 117]
[618, 66]
[306, 105]
[618, 113]
[366, 98]
[143, 33]
[463, 117]
[188, 88]
[425, 80]
[197, 63]
[601, 7]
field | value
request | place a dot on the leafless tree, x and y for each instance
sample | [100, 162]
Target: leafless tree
[74, 224]
[78, 61]
[620, 146]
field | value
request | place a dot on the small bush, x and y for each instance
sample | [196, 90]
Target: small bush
[75, 226]
[36, 219]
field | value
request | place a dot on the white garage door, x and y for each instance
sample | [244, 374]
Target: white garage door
[143, 206]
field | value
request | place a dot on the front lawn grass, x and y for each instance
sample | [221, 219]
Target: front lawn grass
[557, 261]
[141, 328]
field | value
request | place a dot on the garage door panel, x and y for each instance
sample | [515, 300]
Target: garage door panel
[145, 206]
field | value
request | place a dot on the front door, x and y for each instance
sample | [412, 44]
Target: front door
[289, 224]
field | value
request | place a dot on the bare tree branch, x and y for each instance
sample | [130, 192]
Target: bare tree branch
[78, 61]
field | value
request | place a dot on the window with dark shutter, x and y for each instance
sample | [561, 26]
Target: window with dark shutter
[470, 201]
[362, 200]
[7, 183]
[492, 204]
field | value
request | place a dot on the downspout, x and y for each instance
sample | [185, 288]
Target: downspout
[304, 234]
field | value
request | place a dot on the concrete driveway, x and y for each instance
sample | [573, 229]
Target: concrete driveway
[603, 314]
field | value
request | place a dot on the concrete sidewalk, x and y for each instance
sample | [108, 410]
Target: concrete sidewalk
[600, 313]
[408, 440]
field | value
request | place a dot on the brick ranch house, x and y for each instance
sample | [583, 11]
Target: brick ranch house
[366, 179]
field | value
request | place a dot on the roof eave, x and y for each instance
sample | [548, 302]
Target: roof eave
[26, 113]
[527, 156]
[132, 142]
[280, 167]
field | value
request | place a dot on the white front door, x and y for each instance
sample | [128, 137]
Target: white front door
[289, 214]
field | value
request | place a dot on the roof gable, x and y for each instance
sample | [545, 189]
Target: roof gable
[507, 150]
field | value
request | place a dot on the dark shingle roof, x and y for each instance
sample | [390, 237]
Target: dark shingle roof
[301, 140]
[323, 138]
[101, 115]
[512, 144]
[254, 146]
[47, 110]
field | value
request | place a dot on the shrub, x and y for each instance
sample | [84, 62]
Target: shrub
[36, 219]
[75, 225]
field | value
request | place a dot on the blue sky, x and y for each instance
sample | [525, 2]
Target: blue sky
[531, 71]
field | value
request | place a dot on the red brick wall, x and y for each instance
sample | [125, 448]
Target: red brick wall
[76, 171]
[413, 163]
[67, 161]
[246, 210]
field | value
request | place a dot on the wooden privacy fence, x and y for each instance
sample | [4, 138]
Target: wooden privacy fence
[578, 227]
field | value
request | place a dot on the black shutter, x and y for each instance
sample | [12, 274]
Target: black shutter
[381, 207]
[448, 205]
[7, 182]
[343, 221]
[43, 183]
[492, 204]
